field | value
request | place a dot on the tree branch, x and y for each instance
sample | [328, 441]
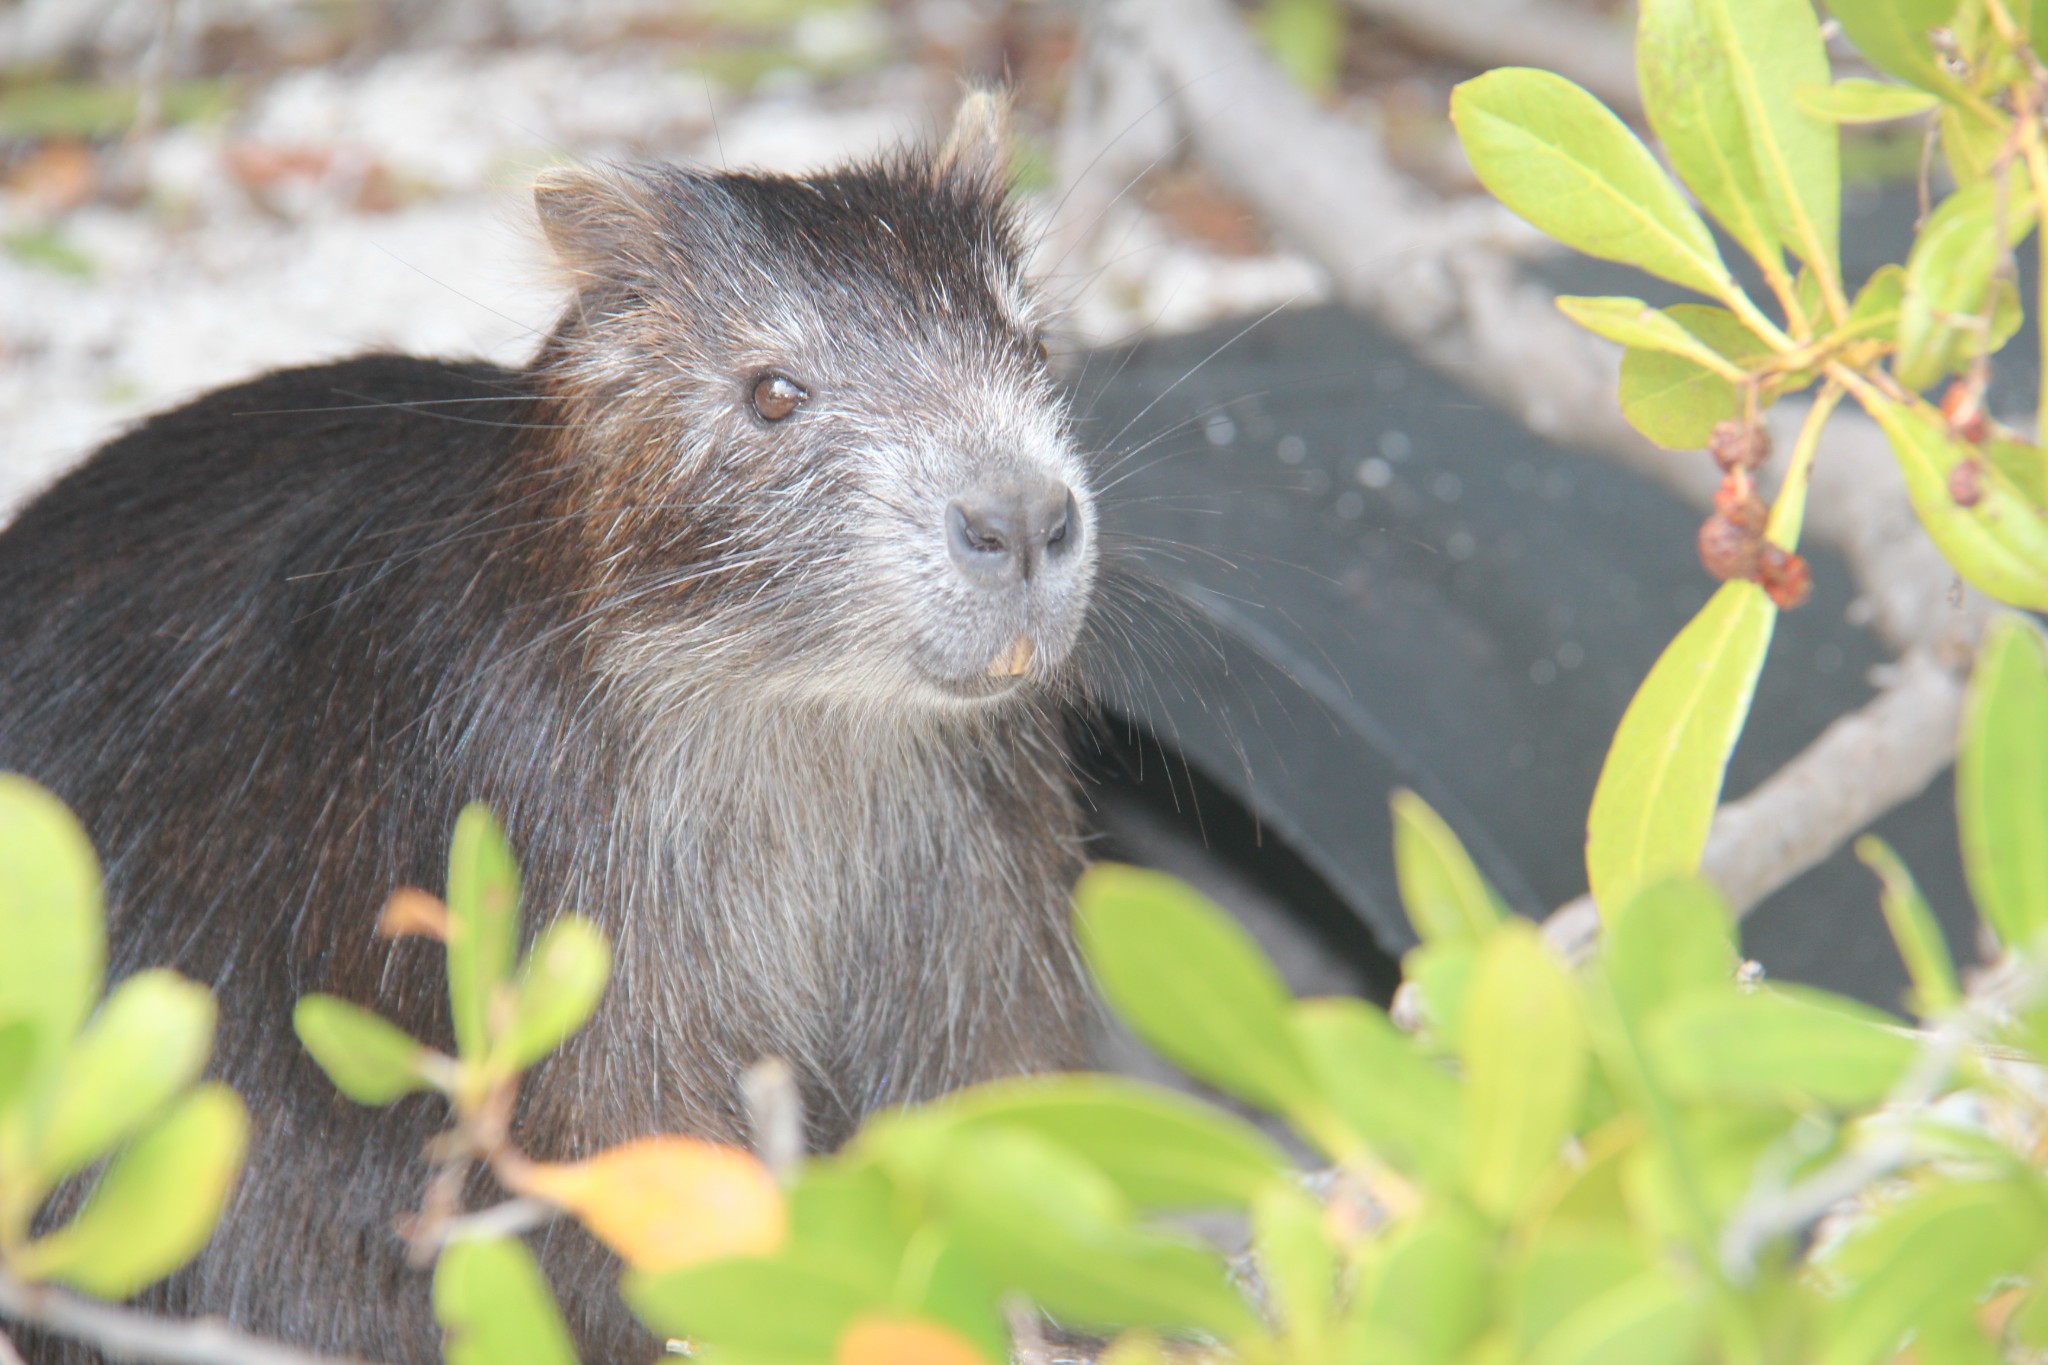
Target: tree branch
[1596, 53]
[128, 1334]
[1442, 277]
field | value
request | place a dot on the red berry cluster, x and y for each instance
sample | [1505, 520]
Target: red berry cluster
[1732, 543]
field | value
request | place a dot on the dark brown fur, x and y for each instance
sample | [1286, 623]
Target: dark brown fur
[267, 646]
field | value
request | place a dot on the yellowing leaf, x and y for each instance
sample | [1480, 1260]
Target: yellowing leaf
[1662, 779]
[50, 914]
[878, 1339]
[664, 1203]
[413, 913]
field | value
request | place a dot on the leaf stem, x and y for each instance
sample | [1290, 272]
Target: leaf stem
[1788, 513]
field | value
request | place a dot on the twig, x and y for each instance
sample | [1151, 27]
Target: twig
[508, 1219]
[1594, 52]
[775, 1116]
[128, 1334]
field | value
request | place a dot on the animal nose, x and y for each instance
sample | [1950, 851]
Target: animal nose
[998, 534]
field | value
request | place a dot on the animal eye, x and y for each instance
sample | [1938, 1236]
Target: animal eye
[776, 396]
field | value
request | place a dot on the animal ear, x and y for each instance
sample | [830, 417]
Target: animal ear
[591, 216]
[978, 147]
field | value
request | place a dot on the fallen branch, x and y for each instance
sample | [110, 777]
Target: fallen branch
[1596, 53]
[129, 1334]
[1442, 276]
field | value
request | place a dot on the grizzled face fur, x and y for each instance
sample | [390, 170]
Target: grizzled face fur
[815, 444]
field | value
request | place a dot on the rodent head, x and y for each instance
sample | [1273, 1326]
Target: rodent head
[814, 443]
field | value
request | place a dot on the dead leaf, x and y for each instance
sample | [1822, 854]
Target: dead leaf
[664, 1203]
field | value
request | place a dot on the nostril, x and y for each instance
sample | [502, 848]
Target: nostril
[1066, 532]
[979, 537]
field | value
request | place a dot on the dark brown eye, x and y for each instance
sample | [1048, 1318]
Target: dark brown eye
[776, 396]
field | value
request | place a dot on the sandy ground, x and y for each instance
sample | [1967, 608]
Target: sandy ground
[380, 200]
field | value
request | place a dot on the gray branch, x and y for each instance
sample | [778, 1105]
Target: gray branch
[129, 1334]
[1597, 53]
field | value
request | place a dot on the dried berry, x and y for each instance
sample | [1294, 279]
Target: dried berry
[1736, 500]
[1784, 576]
[1966, 483]
[1963, 406]
[1727, 549]
[1739, 445]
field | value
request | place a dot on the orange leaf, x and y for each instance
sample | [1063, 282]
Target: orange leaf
[411, 911]
[903, 1341]
[664, 1203]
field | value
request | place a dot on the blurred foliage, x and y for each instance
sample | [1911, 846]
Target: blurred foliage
[53, 107]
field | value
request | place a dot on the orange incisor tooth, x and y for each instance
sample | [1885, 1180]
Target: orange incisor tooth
[1013, 661]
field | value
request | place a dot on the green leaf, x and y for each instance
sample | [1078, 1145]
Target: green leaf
[1565, 1269]
[369, 1059]
[2002, 782]
[1634, 323]
[1776, 1045]
[1940, 1251]
[18, 1049]
[148, 1042]
[1043, 1223]
[1524, 1052]
[1298, 1266]
[495, 1307]
[1441, 974]
[1876, 310]
[1651, 1320]
[1859, 101]
[1307, 39]
[156, 1205]
[1447, 899]
[50, 914]
[1914, 929]
[557, 989]
[1894, 36]
[1670, 938]
[775, 1307]
[1658, 789]
[1717, 78]
[2026, 465]
[483, 924]
[1559, 158]
[1675, 402]
[1401, 1104]
[2000, 543]
[1192, 983]
[1428, 1286]
[1161, 1149]
[1948, 276]
[843, 1211]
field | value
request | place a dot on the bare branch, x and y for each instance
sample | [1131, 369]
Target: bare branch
[129, 1334]
[1594, 52]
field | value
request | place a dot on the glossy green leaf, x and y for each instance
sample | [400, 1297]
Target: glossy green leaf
[1046, 1225]
[1675, 402]
[1192, 983]
[1859, 101]
[1524, 1052]
[1447, 898]
[1948, 276]
[1670, 938]
[1161, 1149]
[1717, 78]
[148, 1042]
[1939, 1251]
[2002, 782]
[50, 914]
[1662, 778]
[483, 924]
[1297, 1265]
[1559, 158]
[1895, 36]
[1429, 1286]
[1399, 1102]
[1651, 1320]
[1914, 930]
[156, 1205]
[1776, 1045]
[369, 1059]
[495, 1308]
[2000, 544]
[1634, 323]
[773, 1307]
[557, 988]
